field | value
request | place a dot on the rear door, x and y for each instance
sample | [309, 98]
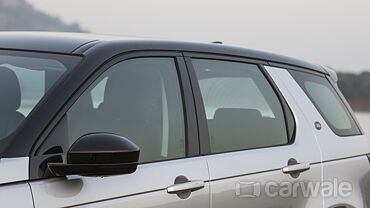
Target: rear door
[146, 98]
[260, 149]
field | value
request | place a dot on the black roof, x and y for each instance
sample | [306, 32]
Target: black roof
[80, 43]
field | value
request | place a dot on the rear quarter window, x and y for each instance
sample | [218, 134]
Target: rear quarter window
[327, 101]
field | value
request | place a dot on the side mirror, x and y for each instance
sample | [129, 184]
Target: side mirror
[99, 154]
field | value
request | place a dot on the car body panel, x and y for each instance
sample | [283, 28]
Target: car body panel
[16, 195]
[262, 190]
[160, 199]
[332, 146]
[123, 190]
[14, 169]
[343, 158]
[356, 172]
[264, 165]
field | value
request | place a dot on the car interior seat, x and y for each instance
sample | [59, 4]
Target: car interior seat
[10, 94]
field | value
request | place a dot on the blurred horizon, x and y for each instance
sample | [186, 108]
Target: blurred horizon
[333, 33]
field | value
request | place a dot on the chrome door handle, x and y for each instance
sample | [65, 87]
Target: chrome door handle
[187, 186]
[300, 167]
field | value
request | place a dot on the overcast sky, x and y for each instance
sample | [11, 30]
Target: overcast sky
[329, 32]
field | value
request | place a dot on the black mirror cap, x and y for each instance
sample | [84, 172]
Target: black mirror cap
[99, 154]
[103, 148]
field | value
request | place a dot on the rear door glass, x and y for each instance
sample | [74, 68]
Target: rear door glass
[242, 109]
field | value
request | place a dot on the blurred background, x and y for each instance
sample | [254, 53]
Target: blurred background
[334, 33]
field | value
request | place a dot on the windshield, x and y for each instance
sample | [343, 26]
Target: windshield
[24, 80]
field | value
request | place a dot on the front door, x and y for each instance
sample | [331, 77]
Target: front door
[142, 99]
[14, 189]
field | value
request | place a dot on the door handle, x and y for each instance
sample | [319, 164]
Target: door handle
[296, 168]
[187, 186]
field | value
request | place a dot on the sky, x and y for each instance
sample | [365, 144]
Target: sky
[334, 33]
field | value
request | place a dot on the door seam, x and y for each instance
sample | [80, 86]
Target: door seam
[33, 199]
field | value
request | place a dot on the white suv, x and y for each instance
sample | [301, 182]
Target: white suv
[88, 121]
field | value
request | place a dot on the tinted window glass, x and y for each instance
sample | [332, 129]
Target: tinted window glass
[24, 80]
[240, 105]
[138, 99]
[328, 102]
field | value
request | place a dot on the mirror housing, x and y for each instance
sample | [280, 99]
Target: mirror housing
[99, 154]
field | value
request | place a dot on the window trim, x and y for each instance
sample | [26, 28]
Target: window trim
[191, 131]
[205, 147]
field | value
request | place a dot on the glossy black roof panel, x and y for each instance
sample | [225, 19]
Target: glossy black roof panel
[35, 41]
[52, 41]
[80, 43]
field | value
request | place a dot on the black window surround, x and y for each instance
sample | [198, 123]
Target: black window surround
[191, 95]
[197, 137]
